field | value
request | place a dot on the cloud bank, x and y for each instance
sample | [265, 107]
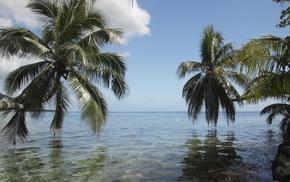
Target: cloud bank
[120, 14]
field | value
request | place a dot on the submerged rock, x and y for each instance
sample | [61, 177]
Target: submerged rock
[281, 163]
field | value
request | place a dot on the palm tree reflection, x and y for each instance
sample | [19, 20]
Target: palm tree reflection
[210, 160]
[58, 164]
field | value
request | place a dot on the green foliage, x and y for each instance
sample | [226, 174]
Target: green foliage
[212, 86]
[275, 110]
[266, 61]
[285, 15]
[68, 59]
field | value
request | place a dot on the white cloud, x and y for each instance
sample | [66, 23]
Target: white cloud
[15, 10]
[5, 22]
[120, 14]
[124, 54]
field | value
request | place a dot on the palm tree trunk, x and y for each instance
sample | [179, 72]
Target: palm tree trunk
[8, 105]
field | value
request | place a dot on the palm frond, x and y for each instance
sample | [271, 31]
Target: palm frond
[188, 67]
[193, 92]
[225, 94]
[109, 78]
[226, 53]
[79, 54]
[23, 75]
[211, 99]
[46, 9]
[285, 123]
[110, 60]
[238, 78]
[210, 43]
[47, 12]
[274, 110]
[102, 37]
[38, 93]
[61, 102]
[268, 53]
[269, 85]
[93, 104]
[16, 131]
[21, 42]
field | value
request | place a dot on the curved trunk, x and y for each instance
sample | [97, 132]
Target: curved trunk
[8, 105]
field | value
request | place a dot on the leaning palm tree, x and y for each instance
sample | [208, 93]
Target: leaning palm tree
[68, 61]
[211, 87]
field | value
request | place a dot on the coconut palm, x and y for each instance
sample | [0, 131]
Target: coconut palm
[68, 61]
[211, 87]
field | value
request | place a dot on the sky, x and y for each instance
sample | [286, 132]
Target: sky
[158, 36]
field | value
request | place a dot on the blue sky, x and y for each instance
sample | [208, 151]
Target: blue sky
[159, 35]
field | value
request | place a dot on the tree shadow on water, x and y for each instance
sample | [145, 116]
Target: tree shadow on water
[211, 160]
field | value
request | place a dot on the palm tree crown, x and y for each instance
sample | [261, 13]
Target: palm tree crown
[210, 86]
[69, 60]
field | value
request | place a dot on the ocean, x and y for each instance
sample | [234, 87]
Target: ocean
[144, 146]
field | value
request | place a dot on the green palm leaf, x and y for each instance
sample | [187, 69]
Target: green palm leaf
[275, 110]
[92, 102]
[16, 131]
[61, 102]
[20, 42]
[188, 67]
[23, 75]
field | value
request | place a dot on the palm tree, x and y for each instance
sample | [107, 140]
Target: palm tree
[68, 61]
[212, 86]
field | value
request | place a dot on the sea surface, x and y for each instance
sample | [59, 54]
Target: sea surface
[144, 146]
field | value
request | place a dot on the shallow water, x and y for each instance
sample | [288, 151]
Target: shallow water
[144, 147]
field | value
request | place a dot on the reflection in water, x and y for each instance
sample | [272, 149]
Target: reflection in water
[87, 169]
[58, 166]
[82, 168]
[134, 147]
[21, 165]
[53, 164]
[211, 159]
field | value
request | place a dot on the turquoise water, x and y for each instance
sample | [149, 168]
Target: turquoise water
[163, 146]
